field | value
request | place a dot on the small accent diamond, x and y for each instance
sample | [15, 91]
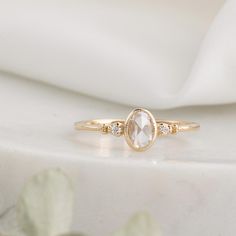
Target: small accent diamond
[117, 128]
[164, 129]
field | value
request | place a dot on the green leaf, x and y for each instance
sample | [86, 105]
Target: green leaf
[141, 224]
[45, 206]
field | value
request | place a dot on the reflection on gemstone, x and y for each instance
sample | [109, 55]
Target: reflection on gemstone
[141, 129]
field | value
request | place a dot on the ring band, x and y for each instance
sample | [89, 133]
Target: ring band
[140, 128]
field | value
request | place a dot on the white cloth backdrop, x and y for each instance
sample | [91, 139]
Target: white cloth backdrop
[157, 54]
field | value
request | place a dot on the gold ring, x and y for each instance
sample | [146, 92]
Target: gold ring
[140, 128]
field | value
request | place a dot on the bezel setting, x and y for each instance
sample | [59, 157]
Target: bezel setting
[153, 127]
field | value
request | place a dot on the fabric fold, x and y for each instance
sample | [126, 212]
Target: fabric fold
[159, 54]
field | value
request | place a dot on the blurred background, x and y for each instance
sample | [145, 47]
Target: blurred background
[64, 61]
[179, 52]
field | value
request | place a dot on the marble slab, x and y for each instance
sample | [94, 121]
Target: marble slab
[187, 182]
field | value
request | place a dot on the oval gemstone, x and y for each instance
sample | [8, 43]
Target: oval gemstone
[140, 129]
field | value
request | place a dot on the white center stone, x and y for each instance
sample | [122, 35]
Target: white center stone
[141, 130]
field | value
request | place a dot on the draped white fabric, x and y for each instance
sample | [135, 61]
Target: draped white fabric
[153, 53]
[157, 54]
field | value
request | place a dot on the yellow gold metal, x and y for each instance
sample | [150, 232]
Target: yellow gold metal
[106, 126]
[99, 124]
